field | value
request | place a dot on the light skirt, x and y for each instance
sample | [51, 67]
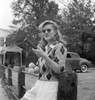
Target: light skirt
[43, 90]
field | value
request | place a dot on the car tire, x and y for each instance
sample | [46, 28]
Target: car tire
[84, 68]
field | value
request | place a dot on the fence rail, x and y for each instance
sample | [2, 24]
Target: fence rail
[16, 81]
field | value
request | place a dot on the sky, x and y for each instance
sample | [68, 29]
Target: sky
[6, 16]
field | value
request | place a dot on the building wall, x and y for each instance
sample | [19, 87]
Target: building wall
[3, 34]
[0, 59]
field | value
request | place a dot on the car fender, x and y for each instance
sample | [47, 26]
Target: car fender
[83, 62]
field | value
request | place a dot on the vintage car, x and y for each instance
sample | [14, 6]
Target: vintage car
[78, 63]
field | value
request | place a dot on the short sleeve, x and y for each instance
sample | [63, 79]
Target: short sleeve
[59, 55]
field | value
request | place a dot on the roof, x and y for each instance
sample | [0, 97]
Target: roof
[5, 32]
[1, 49]
[12, 48]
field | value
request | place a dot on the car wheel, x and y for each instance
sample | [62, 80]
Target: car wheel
[84, 68]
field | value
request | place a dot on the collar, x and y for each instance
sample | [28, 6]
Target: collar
[52, 45]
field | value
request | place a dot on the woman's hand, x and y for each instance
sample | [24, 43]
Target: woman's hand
[39, 52]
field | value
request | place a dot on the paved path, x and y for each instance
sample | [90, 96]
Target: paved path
[3, 95]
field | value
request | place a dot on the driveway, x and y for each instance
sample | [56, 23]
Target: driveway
[86, 85]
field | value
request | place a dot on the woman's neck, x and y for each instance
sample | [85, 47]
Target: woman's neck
[52, 42]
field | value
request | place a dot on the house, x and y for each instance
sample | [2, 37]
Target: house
[11, 53]
[3, 34]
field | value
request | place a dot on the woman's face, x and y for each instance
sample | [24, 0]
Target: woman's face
[48, 32]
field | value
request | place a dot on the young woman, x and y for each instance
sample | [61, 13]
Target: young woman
[51, 59]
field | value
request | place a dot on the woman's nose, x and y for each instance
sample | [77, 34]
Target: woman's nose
[46, 32]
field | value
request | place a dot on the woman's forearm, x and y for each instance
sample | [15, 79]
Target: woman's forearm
[53, 65]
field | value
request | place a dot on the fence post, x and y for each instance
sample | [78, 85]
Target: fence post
[0, 71]
[9, 75]
[3, 74]
[21, 82]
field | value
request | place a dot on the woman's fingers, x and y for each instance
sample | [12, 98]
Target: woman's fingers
[39, 52]
[34, 50]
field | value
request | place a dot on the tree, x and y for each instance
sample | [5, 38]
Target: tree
[28, 14]
[79, 21]
[32, 12]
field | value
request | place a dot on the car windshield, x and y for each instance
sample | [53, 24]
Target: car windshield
[72, 55]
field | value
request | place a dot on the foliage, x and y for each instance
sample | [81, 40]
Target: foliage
[79, 23]
[32, 12]
[28, 14]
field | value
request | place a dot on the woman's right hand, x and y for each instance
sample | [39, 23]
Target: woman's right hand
[39, 52]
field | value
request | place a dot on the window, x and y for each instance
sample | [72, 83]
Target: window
[69, 56]
[1, 41]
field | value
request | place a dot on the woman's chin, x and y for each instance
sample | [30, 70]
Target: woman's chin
[48, 39]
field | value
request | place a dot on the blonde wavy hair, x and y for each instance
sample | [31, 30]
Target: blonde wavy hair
[58, 36]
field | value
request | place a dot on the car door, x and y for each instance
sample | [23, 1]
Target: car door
[73, 61]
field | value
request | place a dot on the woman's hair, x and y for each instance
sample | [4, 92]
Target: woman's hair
[58, 36]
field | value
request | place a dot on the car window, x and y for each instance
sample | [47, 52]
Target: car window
[75, 56]
[72, 55]
[69, 56]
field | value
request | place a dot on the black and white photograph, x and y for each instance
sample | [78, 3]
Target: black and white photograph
[47, 49]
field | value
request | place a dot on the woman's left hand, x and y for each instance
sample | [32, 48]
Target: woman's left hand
[39, 52]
